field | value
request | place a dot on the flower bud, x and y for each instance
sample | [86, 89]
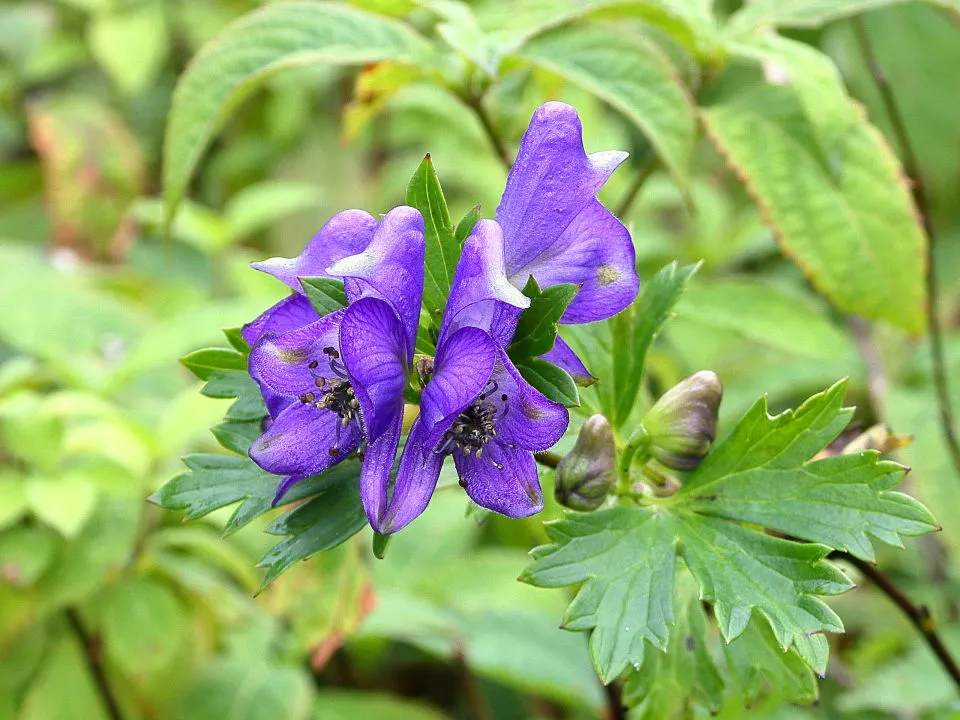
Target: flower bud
[585, 474]
[682, 424]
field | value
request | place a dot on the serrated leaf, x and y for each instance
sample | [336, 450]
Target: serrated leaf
[442, 249]
[204, 363]
[325, 294]
[215, 481]
[845, 217]
[756, 658]
[668, 683]
[259, 45]
[536, 331]
[634, 330]
[237, 436]
[741, 570]
[555, 383]
[324, 522]
[465, 226]
[761, 474]
[625, 558]
[629, 71]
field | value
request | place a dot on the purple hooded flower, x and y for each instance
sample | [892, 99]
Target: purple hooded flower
[556, 230]
[339, 379]
[476, 405]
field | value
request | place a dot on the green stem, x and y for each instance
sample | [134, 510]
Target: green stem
[633, 192]
[637, 449]
[912, 168]
[475, 103]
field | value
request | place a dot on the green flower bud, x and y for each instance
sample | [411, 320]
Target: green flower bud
[585, 474]
[682, 424]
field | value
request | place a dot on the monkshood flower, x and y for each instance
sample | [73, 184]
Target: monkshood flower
[341, 377]
[556, 230]
[476, 406]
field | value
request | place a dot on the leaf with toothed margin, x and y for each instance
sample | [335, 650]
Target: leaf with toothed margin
[333, 516]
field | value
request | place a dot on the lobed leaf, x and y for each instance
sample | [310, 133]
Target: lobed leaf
[264, 42]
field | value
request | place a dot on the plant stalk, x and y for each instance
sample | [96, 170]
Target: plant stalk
[91, 647]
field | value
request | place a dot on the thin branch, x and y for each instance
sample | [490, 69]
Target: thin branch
[919, 615]
[644, 171]
[474, 696]
[873, 363]
[91, 652]
[615, 707]
[912, 167]
[475, 103]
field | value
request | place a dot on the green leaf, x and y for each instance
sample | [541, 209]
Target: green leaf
[235, 338]
[765, 314]
[810, 13]
[324, 522]
[144, 625]
[237, 436]
[215, 481]
[256, 47]
[325, 294]
[740, 569]
[63, 687]
[760, 474]
[465, 226]
[362, 705]
[238, 384]
[27, 551]
[257, 207]
[625, 558]
[555, 383]
[667, 683]
[131, 45]
[629, 71]
[536, 331]
[204, 363]
[242, 689]
[65, 503]
[442, 252]
[756, 658]
[634, 330]
[842, 213]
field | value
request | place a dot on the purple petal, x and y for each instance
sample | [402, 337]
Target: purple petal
[283, 487]
[595, 252]
[549, 214]
[300, 440]
[346, 233]
[390, 268]
[282, 362]
[374, 350]
[531, 421]
[375, 472]
[481, 296]
[513, 489]
[461, 371]
[563, 356]
[416, 480]
[293, 312]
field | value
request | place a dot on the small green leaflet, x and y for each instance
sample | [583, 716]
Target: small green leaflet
[325, 294]
[226, 374]
[235, 338]
[536, 331]
[626, 556]
[555, 383]
[203, 363]
[322, 523]
[465, 226]
[443, 250]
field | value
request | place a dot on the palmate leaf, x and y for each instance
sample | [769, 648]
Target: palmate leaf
[626, 556]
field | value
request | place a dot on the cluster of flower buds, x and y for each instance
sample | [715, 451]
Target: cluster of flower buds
[677, 433]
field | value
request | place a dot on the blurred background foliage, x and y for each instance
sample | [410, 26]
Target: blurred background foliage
[100, 590]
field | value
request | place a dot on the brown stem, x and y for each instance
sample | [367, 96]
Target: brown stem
[644, 171]
[90, 644]
[912, 168]
[477, 705]
[919, 615]
[615, 708]
[475, 103]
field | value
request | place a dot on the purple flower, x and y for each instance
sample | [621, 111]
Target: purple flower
[556, 230]
[476, 405]
[339, 379]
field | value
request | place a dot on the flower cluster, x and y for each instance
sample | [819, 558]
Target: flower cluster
[336, 384]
